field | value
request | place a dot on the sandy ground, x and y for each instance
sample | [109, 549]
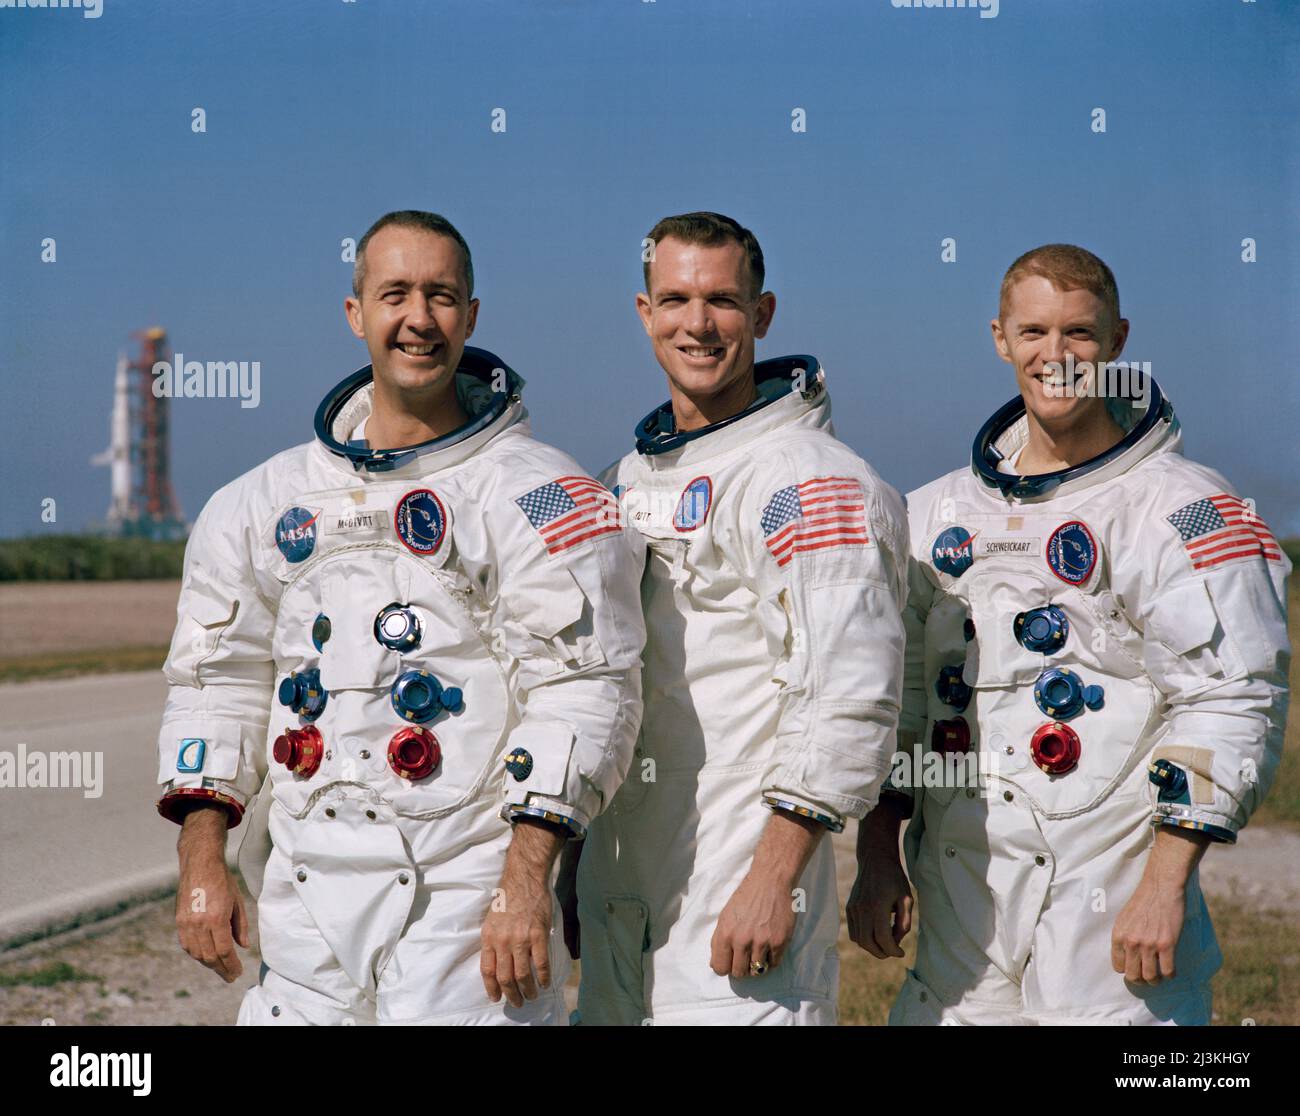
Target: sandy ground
[126, 971]
[41, 617]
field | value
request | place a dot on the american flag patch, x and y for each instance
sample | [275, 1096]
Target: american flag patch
[570, 510]
[1222, 528]
[823, 512]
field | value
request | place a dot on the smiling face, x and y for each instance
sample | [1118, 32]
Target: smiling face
[414, 312]
[703, 317]
[1044, 324]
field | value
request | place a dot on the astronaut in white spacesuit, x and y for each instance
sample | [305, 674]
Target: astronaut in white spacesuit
[1100, 623]
[423, 662]
[775, 564]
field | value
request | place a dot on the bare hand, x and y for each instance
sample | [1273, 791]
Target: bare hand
[880, 906]
[566, 891]
[756, 925]
[879, 909]
[1145, 934]
[517, 930]
[210, 916]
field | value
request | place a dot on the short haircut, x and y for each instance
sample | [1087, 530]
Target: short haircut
[709, 229]
[412, 219]
[1068, 268]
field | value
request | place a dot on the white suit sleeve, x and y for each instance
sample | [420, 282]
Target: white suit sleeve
[1213, 617]
[827, 542]
[920, 593]
[571, 619]
[212, 745]
[915, 706]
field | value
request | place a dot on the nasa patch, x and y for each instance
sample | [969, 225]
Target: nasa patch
[421, 522]
[1072, 552]
[952, 552]
[295, 534]
[693, 507]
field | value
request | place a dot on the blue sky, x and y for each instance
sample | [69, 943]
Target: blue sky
[921, 125]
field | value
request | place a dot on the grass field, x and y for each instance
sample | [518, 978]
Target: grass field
[1282, 806]
[57, 664]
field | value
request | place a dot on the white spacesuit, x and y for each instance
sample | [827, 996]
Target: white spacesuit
[427, 613]
[775, 570]
[1110, 642]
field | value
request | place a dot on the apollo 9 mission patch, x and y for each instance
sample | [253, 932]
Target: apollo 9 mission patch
[1072, 552]
[421, 522]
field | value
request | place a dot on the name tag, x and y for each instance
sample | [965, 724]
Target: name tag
[361, 521]
[1023, 546]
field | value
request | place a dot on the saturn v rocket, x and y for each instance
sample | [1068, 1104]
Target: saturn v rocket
[141, 500]
[118, 455]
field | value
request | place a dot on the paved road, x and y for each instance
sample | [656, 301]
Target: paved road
[63, 854]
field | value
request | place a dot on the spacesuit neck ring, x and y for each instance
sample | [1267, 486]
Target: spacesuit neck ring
[773, 380]
[985, 455]
[477, 363]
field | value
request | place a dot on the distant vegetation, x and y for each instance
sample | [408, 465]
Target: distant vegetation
[88, 558]
[96, 558]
